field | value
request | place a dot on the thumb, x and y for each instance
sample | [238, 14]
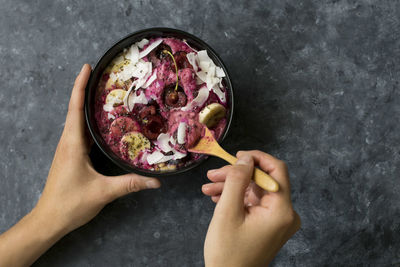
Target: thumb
[128, 183]
[237, 180]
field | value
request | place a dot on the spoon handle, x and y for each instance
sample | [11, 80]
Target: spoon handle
[261, 178]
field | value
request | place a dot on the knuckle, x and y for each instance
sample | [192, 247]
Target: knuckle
[281, 164]
[237, 172]
[227, 168]
[133, 185]
[257, 152]
[291, 219]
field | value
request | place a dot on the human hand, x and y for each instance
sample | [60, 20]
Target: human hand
[74, 191]
[249, 225]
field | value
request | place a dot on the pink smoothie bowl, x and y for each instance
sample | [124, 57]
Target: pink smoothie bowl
[100, 123]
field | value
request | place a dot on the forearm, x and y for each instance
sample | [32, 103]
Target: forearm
[23, 244]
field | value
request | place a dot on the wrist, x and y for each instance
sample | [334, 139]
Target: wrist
[46, 225]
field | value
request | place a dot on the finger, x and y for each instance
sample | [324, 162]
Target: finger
[218, 175]
[215, 199]
[213, 189]
[75, 123]
[254, 194]
[231, 203]
[119, 186]
[273, 166]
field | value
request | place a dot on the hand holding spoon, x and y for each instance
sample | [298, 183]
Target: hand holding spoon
[208, 145]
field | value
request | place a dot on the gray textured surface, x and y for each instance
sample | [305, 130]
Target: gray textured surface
[317, 84]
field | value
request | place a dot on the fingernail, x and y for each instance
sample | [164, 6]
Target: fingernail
[80, 72]
[205, 187]
[83, 67]
[245, 160]
[152, 184]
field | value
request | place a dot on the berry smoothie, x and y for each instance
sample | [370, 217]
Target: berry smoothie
[155, 98]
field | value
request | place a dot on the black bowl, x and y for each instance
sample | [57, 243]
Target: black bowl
[97, 72]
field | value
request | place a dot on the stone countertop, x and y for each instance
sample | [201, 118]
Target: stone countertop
[316, 84]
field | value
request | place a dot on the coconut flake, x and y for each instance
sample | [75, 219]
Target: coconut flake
[178, 155]
[152, 78]
[154, 157]
[113, 77]
[203, 56]
[212, 82]
[133, 54]
[205, 65]
[198, 81]
[118, 60]
[126, 72]
[136, 99]
[220, 72]
[142, 71]
[172, 140]
[150, 48]
[181, 133]
[219, 93]
[202, 75]
[142, 43]
[135, 68]
[142, 68]
[192, 60]
[210, 73]
[163, 142]
[110, 116]
[200, 99]
[157, 157]
[108, 107]
[129, 92]
[189, 46]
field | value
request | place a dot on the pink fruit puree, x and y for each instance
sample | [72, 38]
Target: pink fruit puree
[158, 116]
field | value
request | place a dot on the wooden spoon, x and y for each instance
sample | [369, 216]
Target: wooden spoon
[208, 145]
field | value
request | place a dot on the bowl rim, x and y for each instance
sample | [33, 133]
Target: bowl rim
[116, 160]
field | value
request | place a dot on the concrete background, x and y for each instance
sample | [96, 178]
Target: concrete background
[317, 85]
